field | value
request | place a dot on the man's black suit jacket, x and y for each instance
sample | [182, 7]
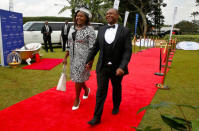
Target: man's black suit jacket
[122, 49]
[62, 31]
[44, 32]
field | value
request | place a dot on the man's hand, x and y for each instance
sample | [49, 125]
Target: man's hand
[119, 72]
[89, 65]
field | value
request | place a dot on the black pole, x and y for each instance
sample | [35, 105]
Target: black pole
[150, 42]
[140, 43]
[160, 65]
[160, 60]
[147, 42]
[144, 40]
[153, 41]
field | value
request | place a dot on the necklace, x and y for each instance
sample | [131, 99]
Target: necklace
[79, 26]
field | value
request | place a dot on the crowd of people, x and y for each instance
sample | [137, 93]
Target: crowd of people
[81, 44]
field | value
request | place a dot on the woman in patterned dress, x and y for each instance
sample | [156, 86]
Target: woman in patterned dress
[81, 38]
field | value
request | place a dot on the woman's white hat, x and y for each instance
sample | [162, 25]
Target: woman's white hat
[86, 11]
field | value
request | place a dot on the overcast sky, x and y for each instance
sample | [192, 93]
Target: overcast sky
[48, 8]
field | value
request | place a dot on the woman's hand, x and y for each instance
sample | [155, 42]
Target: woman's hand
[89, 65]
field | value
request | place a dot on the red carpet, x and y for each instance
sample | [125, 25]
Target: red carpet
[44, 64]
[51, 110]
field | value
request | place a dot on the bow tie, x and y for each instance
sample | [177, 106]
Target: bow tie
[110, 26]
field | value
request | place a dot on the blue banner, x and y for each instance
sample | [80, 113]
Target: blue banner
[11, 33]
[136, 22]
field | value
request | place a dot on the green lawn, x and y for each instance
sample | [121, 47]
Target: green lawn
[18, 84]
[183, 79]
[184, 37]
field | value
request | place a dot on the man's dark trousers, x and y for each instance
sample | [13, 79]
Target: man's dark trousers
[65, 39]
[47, 41]
[106, 73]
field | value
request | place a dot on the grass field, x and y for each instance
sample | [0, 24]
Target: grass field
[183, 79]
[194, 38]
[18, 84]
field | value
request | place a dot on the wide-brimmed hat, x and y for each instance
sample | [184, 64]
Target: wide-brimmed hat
[86, 11]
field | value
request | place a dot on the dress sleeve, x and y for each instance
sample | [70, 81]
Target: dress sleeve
[92, 37]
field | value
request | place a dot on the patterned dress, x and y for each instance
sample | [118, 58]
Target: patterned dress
[78, 51]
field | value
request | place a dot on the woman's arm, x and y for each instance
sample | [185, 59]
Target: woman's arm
[65, 58]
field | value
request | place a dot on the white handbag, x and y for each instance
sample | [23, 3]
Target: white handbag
[61, 86]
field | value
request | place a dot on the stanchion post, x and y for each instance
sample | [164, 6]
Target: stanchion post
[161, 85]
[140, 47]
[147, 45]
[156, 39]
[153, 41]
[134, 43]
[171, 50]
[166, 51]
[174, 45]
[160, 65]
[150, 42]
[144, 40]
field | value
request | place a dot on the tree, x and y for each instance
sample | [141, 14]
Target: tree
[97, 7]
[149, 8]
[140, 6]
[71, 7]
[194, 14]
[156, 16]
[187, 27]
[197, 2]
[125, 6]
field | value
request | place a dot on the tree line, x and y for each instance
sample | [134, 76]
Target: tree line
[149, 10]
[150, 13]
[46, 18]
[188, 27]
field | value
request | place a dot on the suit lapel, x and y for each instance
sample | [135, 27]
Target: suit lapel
[119, 29]
[102, 36]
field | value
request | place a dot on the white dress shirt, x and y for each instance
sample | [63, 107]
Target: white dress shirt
[65, 29]
[47, 28]
[110, 34]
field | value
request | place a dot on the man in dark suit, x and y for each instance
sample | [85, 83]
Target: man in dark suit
[64, 33]
[114, 43]
[46, 30]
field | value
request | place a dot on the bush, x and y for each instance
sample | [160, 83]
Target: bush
[46, 18]
[187, 27]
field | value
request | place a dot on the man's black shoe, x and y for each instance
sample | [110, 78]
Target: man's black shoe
[115, 111]
[94, 121]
